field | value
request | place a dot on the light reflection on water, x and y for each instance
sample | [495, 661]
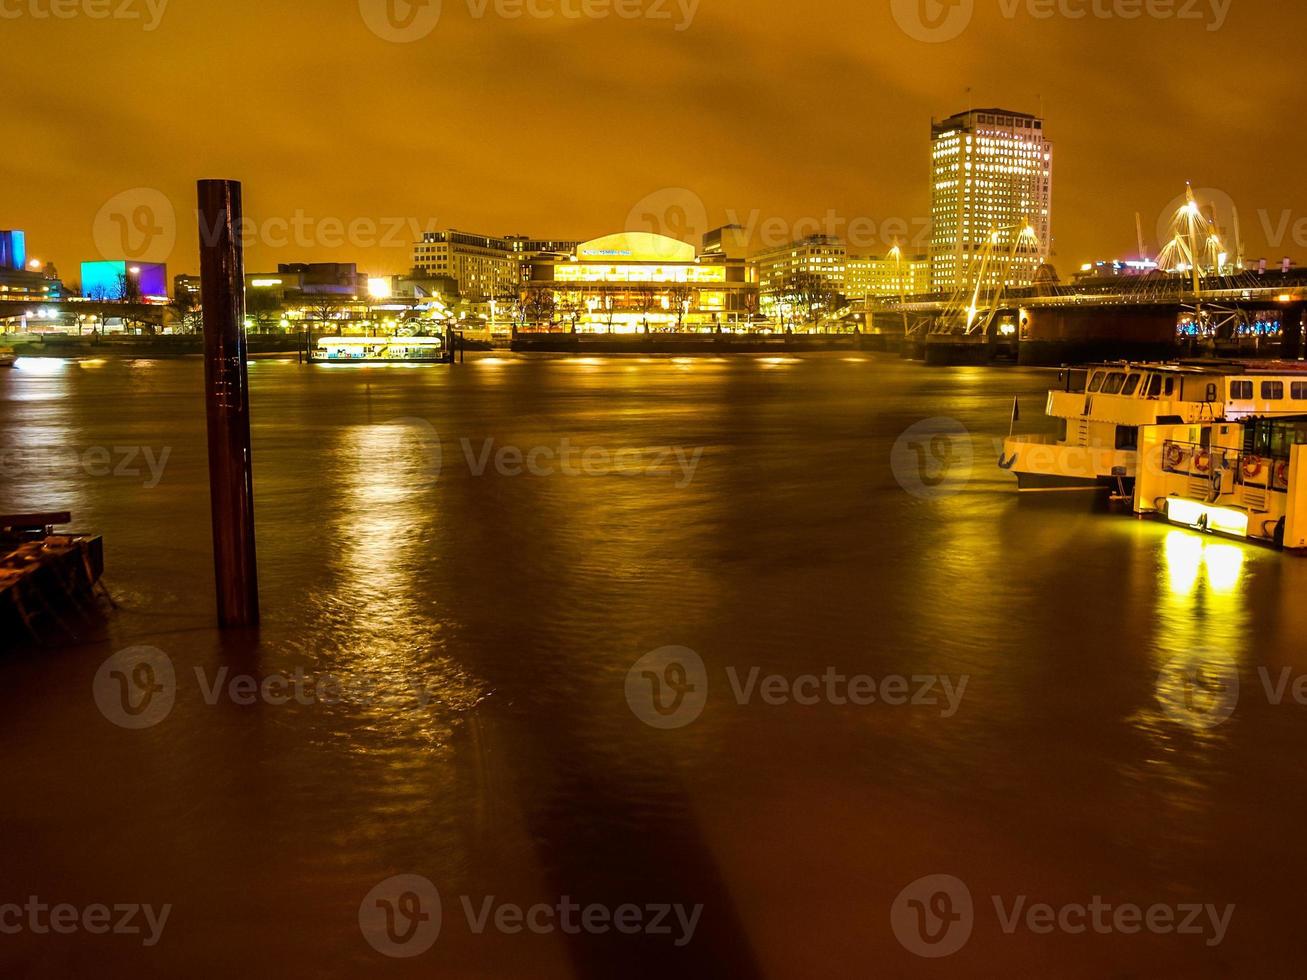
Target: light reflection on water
[517, 603]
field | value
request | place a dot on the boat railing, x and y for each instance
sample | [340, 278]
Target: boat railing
[1196, 461]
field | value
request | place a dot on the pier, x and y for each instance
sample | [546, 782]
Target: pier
[46, 579]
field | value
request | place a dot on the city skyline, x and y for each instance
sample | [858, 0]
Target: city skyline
[497, 161]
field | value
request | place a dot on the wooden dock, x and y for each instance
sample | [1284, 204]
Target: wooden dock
[47, 580]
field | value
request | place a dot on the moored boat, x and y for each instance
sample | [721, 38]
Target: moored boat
[1100, 411]
[381, 350]
[1245, 479]
[8, 358]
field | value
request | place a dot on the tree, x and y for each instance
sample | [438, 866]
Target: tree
[679, 296]
[571, 307]
[646, 301]
[186, 309]
[129, 294]
[324, 308]
[538, 306]
[264, 308]
[811, 296]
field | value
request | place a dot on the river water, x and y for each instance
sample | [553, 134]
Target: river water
[461, 571]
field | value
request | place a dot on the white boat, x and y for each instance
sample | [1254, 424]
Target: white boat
[1100, 411]
[7, 357]
[374, 350]
[1245, 479]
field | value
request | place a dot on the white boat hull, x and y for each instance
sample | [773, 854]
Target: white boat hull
[1046, 466]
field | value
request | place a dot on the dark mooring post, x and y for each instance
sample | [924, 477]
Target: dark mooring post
[226, 393]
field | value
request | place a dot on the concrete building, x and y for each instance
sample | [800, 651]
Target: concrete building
[637, 281]
[822, 256]
[298, 280]
[483, 267]
[730, 241]
[886, 275]
[991, 179]
[21, 278]
[13, 250]
[183, 283]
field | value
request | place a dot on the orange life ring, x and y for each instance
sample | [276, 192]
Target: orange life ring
[1282, 473]
[1252, 467]
[1174, 456]
[1203, 461]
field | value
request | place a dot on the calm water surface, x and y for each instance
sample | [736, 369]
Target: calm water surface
[517, 605]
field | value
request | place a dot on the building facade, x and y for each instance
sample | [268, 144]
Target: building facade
[817, 256]
[13, 250]
[298, 280]
[636, 282]
[886, 275]
[991, 199]
[483, 267]
[114, 281]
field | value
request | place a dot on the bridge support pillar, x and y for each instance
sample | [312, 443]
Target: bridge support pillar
[1291, 330]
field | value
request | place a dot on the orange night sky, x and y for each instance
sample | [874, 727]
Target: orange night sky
[355, 123]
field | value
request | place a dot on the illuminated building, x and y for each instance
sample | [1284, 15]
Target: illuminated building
[119, 280]
[13, 250]
[633, 281]
[299, 279]
[991, 174]
[483, 267]
[820, 256]
[889, 275]
[22, 278]
[184, 284]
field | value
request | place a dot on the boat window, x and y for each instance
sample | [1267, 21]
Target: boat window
[1170, 386]
[1154, 385]
[1096, 382]
[1131, 384]
[1273, 391]
[1241, 391]
[1112, 386]
[1127, 437]
[1298, 391]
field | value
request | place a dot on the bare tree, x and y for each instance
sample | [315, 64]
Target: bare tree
[263, 308]
[811, 297]
[324, 308]
[186, 309]
[646, 301]
[571, 307]
[680, 295]
[129, 294]
[538, 306]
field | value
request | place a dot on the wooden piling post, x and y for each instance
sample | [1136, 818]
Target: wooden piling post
[226, 393]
